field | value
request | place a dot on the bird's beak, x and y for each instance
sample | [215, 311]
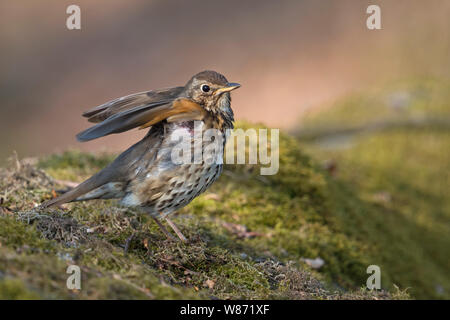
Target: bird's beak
[229, 87]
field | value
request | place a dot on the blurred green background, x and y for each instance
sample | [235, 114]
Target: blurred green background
[372, 107]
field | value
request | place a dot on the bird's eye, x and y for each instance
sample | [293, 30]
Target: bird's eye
[205, 88]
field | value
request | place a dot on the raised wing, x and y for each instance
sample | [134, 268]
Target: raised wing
[110, 108]
[143, 115]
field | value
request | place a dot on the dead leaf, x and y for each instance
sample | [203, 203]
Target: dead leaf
[212, 196]
[241, 231]
[210, 283]
[145, 241]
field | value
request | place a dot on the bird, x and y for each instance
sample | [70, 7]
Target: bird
[145, 176]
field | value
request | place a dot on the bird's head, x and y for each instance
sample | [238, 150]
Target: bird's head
[211, 90]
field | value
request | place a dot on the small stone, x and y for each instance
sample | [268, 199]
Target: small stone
[316, 263]
[383, 197]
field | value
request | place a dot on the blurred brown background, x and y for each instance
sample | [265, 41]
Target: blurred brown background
[290, 56]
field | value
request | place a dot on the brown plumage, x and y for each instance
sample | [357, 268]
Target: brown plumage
[145, 175]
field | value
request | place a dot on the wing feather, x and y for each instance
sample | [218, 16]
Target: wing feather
[106, 110]
[180, 110]
[143, 116]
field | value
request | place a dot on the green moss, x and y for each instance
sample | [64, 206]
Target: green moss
[73, 165]
[389, 190]
[14, 289]
[403, 216]
[248, 235]
[18, 235]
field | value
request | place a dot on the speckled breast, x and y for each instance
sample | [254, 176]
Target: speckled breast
[165, 186]
[183, 188]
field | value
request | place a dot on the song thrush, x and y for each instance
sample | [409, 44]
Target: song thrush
[145, 175]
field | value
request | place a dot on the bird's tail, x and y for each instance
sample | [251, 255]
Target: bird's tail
[90, 184]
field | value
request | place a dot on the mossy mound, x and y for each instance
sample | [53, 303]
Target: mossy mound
[391, 186]
[250, 238]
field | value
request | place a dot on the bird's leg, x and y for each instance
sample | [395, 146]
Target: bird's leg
[177, 231]
[163, 229]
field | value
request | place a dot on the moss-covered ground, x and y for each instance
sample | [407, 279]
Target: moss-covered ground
[250, 237]
[391, 189]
